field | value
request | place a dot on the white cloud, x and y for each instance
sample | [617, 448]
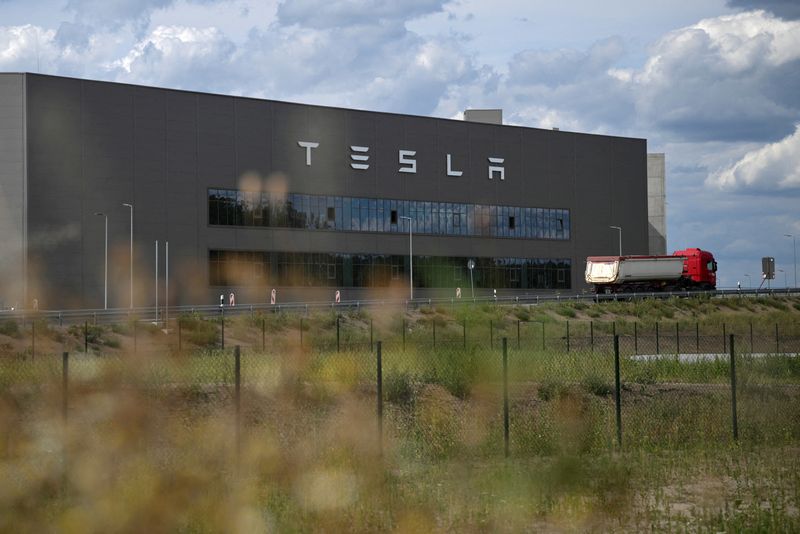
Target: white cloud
[731, 77]
[774, 167]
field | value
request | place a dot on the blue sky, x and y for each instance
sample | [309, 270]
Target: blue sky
[713, 84]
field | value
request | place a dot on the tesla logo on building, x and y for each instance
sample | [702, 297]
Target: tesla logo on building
[359, 160]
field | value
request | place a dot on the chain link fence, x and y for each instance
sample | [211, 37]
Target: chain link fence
[611, 388]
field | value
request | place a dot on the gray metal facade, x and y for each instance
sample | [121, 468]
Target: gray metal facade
[73, 147]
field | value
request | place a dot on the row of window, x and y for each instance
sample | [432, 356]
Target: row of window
[317, 212]
[292, 269]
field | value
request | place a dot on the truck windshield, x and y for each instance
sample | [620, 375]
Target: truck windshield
[712, 266]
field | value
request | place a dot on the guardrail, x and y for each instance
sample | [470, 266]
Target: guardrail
[151, 314]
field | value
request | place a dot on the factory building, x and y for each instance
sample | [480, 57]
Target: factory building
[255, 195]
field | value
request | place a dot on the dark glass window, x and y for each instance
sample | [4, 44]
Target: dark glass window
[316, 212]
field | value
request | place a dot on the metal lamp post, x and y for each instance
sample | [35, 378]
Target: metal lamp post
[105, 269]
[410, 258]
[131, 208]
[618, 228]
[794, 248]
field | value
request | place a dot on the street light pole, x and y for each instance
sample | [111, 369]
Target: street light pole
[410, 259]
[105, 268]
[618, 228]
[794, 248]
[131, 207]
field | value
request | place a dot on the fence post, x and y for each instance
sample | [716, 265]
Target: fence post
[238, 392]
[543, 340]
[697, 336]
[338, 338]
[567, 336]
[724, 339]
[617, 392]
[734, 418]
[505, 396]
[85, 337]
[658, 351]
[64, 385]
[64, 414]
[777, 340]
[379, 377]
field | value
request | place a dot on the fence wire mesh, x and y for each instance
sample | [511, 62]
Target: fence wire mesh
[676, 385]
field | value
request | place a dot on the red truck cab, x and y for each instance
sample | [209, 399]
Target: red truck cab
[699, 266]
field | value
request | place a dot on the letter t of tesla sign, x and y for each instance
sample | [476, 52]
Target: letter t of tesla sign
[308, 145]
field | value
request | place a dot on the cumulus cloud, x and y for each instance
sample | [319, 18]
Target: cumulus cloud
[173, 56]
[727, 78]
[772, 168]
[557, 67]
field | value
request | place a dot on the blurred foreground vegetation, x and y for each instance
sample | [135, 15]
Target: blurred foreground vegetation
[150, 435]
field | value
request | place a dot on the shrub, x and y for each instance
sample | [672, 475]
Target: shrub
[566, 311]
[595, 385]
[551, 389]
[523, 314]
[399, 387]
[455, 370]
[9, 328]
[197, 330]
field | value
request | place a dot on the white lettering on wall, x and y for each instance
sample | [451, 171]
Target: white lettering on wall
[360, 155]
[308, 145]
[450, 171]
[496, 167]
[406, 157]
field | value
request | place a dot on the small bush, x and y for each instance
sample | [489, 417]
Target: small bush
[121, 329]
[566, 311]
[597, 386]
[197, 330]
[522, 314]
[399, 388]
[644, 375]
[551, 390]
[9, 328]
